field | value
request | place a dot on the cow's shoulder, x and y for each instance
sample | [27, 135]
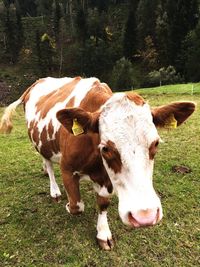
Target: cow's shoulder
[96, 97]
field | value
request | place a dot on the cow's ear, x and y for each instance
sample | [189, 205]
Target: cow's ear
[78, 121]
[172, 115]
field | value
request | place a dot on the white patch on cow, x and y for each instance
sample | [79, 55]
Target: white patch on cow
[81, 206]
[103, 230]
[130, 127]
[82, 88]
[41, 89]
[67, 208]
[56, 157]
[101, 190]
[85, 177]
[46, 87]
[54, 189]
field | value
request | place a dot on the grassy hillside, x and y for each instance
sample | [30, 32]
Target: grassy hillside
[35, 231]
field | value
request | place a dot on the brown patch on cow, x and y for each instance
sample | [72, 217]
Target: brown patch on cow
[71, 102]
[81, 153]
[33, 133]
[48, 147]
[48, 101]
[45, 149]
[137, 99]
[103, 202]
[153, 149]
[112, 157]
[96, 97]
[57, 140]
[50, 129]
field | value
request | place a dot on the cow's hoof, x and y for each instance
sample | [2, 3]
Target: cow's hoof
[57, 199]
[67, 208]
[75, 210]
[55, 192]
[106, 245]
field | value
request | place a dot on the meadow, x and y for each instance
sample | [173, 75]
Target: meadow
[36, 231]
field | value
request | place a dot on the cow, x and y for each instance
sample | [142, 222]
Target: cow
[110, 138]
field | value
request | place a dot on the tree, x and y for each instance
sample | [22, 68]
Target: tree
[56, 19]
[130, 34]
[27, 7]
[190, 55]
[44, 7]
[101, 5]
[163, 76]
[182, 18]
[162, 34]
[13, 34]
[148, 56]
[81, 25]
[122, 75]
[7, 3]
[47, 50]
[146, 21]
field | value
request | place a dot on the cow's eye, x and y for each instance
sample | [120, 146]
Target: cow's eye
[105, 149]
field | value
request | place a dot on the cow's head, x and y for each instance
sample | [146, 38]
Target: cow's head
[128, 144]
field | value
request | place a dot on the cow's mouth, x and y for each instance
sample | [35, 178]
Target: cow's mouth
[144, 218]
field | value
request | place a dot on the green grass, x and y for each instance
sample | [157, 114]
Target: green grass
[180, 89]
[35, 231]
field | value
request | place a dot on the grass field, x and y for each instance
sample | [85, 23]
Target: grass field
[35, 231]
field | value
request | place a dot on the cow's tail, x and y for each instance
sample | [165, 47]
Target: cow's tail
[6, 120]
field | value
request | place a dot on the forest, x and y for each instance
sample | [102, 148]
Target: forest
[126, 43]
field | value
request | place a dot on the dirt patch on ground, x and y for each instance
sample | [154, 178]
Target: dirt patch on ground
[5, 92]
[181, 169]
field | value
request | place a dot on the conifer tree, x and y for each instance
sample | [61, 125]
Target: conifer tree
[56, 19]
[146, 21]
[130, 34]
[182, 18]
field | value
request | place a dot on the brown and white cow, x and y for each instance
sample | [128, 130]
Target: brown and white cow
[110, 138]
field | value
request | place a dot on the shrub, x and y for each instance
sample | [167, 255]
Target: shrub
[122, 75]
[163, 76]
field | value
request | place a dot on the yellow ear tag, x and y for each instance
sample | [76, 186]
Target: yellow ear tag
[77, 128]
[171, 122]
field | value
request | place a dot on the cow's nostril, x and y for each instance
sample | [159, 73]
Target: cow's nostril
[144, 217]
[132, 220]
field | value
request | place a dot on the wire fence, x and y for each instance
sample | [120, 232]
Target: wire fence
[195, 88]
[188, 89]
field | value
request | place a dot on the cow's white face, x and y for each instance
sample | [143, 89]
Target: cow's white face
[129, 141]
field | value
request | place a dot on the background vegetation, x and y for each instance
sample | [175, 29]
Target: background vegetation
[126, 43]
[35, 231]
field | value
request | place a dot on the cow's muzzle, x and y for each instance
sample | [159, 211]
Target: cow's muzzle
[147, 217]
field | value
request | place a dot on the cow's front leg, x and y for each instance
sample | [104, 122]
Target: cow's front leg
[71, 183]
[104, 236]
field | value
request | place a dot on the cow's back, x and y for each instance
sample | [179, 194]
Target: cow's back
[50, 95]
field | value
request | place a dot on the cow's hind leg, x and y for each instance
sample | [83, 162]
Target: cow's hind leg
[54, 189]
[44, 167]
[104, 236]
